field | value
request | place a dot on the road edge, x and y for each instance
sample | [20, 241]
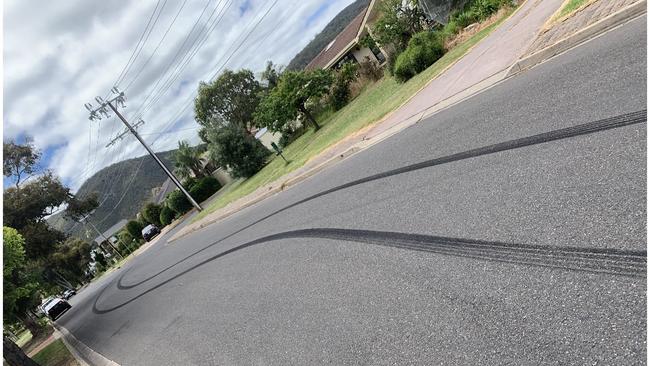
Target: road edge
[585, 34]
[81, 352]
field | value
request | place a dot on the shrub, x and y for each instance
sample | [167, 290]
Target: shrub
[189, 183]
[126, 242]
[134, 228]
[423, 50]
[340, 92]
[476, 11]
[177, 202]
[204, 188]
[166, 216]
[151, 213]
[242, 153]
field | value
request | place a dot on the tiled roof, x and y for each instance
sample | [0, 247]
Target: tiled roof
[339, 44]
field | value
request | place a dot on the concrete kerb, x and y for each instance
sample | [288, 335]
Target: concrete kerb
[82, 353]
[585, 34]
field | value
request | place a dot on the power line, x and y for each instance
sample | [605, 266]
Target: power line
[243, 41]
[188, 102]
[173, 131]
[178, 70]
[128, 63]
[181, 47]
[145, 40]
[157, 46]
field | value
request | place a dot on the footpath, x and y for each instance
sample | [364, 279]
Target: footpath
[520, 42]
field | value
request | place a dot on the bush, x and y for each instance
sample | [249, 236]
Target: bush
[177, 202]
[189, 183]
[166, 216]
[151, 213]
[340, 92]
[475, 11]
[423, 50]
[134, 228]
[242, 153]
[204, 188]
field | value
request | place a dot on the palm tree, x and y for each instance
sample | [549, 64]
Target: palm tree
[187, 161]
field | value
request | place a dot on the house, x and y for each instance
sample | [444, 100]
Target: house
[346, 46]
[110, 235]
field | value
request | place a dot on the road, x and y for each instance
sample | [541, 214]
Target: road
[508, 229]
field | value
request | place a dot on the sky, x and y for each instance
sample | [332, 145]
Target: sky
[59, 55]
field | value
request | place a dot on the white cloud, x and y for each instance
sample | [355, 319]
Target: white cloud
[60, 55]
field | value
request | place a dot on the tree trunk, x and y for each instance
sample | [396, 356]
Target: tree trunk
[14, 355]
[311, 119]
[31, 325]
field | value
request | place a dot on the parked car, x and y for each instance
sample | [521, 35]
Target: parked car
[55, 307]
[67, 294]
[150, 232]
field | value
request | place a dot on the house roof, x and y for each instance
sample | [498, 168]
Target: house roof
[111, 231]
[341, 44]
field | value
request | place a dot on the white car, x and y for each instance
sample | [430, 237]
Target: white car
[55, 307]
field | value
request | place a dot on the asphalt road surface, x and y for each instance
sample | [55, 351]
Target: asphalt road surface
[508, 229]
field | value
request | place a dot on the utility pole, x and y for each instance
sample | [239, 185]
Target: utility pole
[101, 111]
[85, 219]
[124, 133]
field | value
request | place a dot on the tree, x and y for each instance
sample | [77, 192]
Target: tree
[20, 285]
[271, 75]
[151, 213]
[28, 203]
[242, 153]
[398, 22]
[79, 208]
[187, 161]
[19, 161]
[294, 90]
[134, 228]
[70, 260]
[233, 97]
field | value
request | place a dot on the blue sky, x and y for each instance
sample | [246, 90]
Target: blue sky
[60, 55]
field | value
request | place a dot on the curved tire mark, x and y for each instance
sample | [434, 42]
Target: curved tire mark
[628, 263]
[582, 129]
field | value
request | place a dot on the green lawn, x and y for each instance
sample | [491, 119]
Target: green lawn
[569, 7]
[55, 354]
[375, 102]
[23, 338]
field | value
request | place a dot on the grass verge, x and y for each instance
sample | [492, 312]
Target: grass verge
[569, 7]
[55, 354]
[23, 338]
[375, 102]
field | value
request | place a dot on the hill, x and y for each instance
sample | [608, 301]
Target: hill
[119, 198]
[327, 35]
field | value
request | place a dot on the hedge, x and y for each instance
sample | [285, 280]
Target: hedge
[166, 216]
[204, 188]
[177, 202]
[423, 50]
